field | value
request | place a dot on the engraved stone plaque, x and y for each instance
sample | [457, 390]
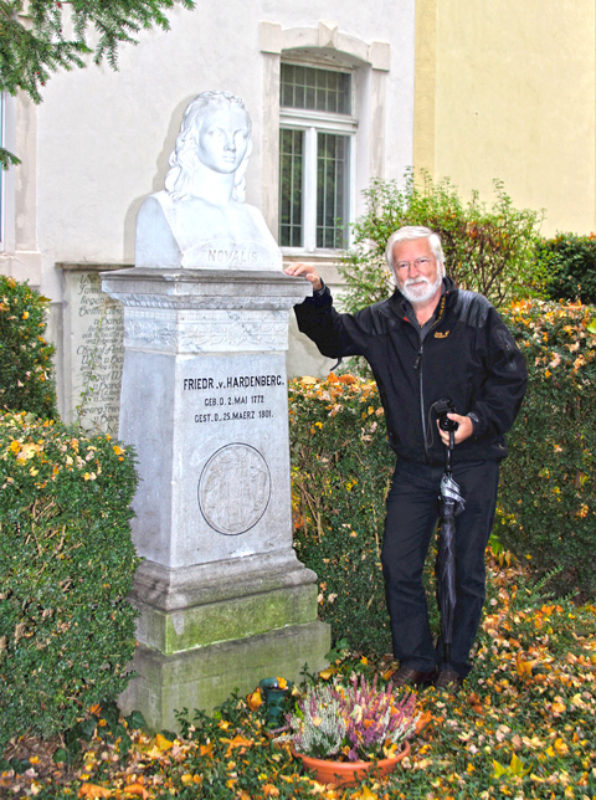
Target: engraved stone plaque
[94, 352]
[240, 473]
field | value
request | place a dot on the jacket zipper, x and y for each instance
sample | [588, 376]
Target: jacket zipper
[418, 367]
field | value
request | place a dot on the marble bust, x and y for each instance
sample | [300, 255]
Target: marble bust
[200, 219]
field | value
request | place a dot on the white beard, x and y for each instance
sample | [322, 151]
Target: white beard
[419, 290]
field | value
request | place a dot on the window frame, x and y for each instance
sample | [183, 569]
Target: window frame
[3, 173]
[8, 187]
[311, 122]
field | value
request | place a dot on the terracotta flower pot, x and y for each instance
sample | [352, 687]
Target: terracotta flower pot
[349, 773]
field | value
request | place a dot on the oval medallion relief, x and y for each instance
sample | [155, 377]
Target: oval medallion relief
[234, 489]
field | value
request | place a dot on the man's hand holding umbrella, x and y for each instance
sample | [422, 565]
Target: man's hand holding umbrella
[465, 428]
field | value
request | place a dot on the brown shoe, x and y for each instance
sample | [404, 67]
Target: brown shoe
[409, 676]
[448, 679]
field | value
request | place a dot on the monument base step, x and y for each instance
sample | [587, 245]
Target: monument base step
[182, 609]
[204, 677]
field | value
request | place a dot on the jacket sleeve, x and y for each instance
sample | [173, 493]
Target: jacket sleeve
[499, 400]
[336, 335]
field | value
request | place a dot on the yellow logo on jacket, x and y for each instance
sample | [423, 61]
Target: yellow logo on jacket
[439, 335]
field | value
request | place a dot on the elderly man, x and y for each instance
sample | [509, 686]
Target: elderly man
[427, 343]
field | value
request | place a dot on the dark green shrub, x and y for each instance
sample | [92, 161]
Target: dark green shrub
[547, 496]
[66, 567]
[571, 263]
[491, 251]
[27, 381]
[341, 470]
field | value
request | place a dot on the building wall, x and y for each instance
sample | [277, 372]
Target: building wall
[507, 90]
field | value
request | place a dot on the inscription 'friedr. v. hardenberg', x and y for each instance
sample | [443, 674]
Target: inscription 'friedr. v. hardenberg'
[233, 382]
[221, 399]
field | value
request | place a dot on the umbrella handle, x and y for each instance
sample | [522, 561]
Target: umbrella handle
[449, 451]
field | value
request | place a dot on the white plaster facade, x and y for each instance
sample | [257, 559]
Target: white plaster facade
[99, 142]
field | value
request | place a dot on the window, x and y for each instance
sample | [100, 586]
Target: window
[316, 148]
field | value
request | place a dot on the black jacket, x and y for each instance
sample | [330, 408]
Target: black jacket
[467, 355]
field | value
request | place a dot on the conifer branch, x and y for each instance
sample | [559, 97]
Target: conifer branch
[33, 44]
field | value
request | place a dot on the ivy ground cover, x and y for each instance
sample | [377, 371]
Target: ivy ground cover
[521, 727]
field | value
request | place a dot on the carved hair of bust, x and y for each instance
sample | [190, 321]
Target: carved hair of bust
[184, 159]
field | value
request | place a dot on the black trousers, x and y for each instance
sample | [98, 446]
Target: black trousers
[412, 512]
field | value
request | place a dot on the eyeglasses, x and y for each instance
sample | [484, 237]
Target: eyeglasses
[420, 264]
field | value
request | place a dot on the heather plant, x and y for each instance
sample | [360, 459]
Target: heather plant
[488, 250]
[25, 356]
[352, 720]
[318, 729]
[66, 566]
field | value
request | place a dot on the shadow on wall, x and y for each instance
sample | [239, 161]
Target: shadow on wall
[157, 182]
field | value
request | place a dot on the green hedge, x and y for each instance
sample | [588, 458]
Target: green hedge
[547, 505]
[341, 471]
[342, 467]
[570, 262]
[25, 356]
[66, 567]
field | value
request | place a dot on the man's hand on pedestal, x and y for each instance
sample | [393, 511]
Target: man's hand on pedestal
[306, 271]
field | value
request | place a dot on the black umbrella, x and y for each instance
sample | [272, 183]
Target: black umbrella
[451, 503]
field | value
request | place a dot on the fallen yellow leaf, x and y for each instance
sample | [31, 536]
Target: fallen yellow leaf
[136, 789]
[423, 721]
[365, 794]
[237, 741]
[561, 747]
[523, 667]
[162, 742]
[254, 699]
[91, 790]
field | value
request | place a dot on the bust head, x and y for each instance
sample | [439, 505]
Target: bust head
[214, 139]
[201, 220]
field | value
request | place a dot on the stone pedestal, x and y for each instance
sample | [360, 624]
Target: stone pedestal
[223, 600]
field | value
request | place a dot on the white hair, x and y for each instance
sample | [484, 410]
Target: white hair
[183, 160]
[410, 233]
